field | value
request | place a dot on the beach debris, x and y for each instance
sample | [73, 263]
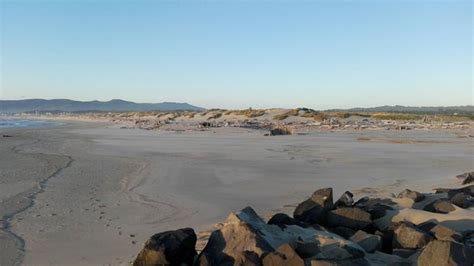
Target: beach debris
[280, 131]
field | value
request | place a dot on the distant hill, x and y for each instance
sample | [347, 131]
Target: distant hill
[64, 105]
[466, 110]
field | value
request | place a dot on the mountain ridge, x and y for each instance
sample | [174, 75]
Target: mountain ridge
[67, 105]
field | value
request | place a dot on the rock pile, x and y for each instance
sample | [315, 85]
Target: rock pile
[324, 232]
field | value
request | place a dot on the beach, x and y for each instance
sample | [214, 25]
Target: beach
[92, 193]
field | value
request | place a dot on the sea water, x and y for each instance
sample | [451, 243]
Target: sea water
[24, 123]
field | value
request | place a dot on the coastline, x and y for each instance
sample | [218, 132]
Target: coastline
[136, 182]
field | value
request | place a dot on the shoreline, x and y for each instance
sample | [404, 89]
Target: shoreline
[197, 178]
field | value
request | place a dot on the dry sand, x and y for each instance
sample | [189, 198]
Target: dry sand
[91, 194]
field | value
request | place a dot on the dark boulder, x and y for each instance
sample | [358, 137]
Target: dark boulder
[314, 209]
[439, 252]
[407, 235]
[378, 210]
[283, 220]
[354, 218]
[426, 226]
[169, 248]
[414, 195]
[462, 200]
[346, 200]
[469, 190]
[370, 243]
[440, 206]
[345, 232]
[349, 262]
[307, 249]
[403, 252]
[284, 255]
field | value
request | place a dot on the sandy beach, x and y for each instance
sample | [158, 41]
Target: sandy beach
[92, 193]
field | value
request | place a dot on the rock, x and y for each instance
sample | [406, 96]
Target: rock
[378, 211]
[408, 236]
[440, 206]
[237, 242]
[439, 252]
[346, 200]
[284, 255]
[170, 247]
[466, 178]
[426, 226]
[462, 200]
[403, 252]
[314, 209]
[380, 258]
[245, 238]
[414, 195]
[307, 249]
[469, 190]
[280, 131]
[283, 220]
[468, 237]
[442, 232]
[350, 262]
[368, 242]
[354, 218]
[7, 136]
[343, 231]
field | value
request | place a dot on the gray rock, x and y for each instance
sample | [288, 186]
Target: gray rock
[442, 232]
[170, 247]
[440, 206]
[238, 242]
[350, 262]
[414, 195]
[469, 190]
[283, 220]
[284, 255]
[462, 200]
[307, 249]
[343, 231]
[466, 178]
[314, 209]
[439, 252]
[368, 242]
[403, 252]
[354, 218]
[380, 258]
[346, 200]
[408, 236]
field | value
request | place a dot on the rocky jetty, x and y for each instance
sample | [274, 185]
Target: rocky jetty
[411, 229]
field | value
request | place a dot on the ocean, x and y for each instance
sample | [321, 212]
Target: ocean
[24, 123]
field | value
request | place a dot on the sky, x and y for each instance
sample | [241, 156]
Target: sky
[239, 54]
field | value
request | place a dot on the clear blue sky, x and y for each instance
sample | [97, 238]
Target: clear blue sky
[236, 54]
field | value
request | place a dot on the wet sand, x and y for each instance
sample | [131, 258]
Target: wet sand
[90, 194]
